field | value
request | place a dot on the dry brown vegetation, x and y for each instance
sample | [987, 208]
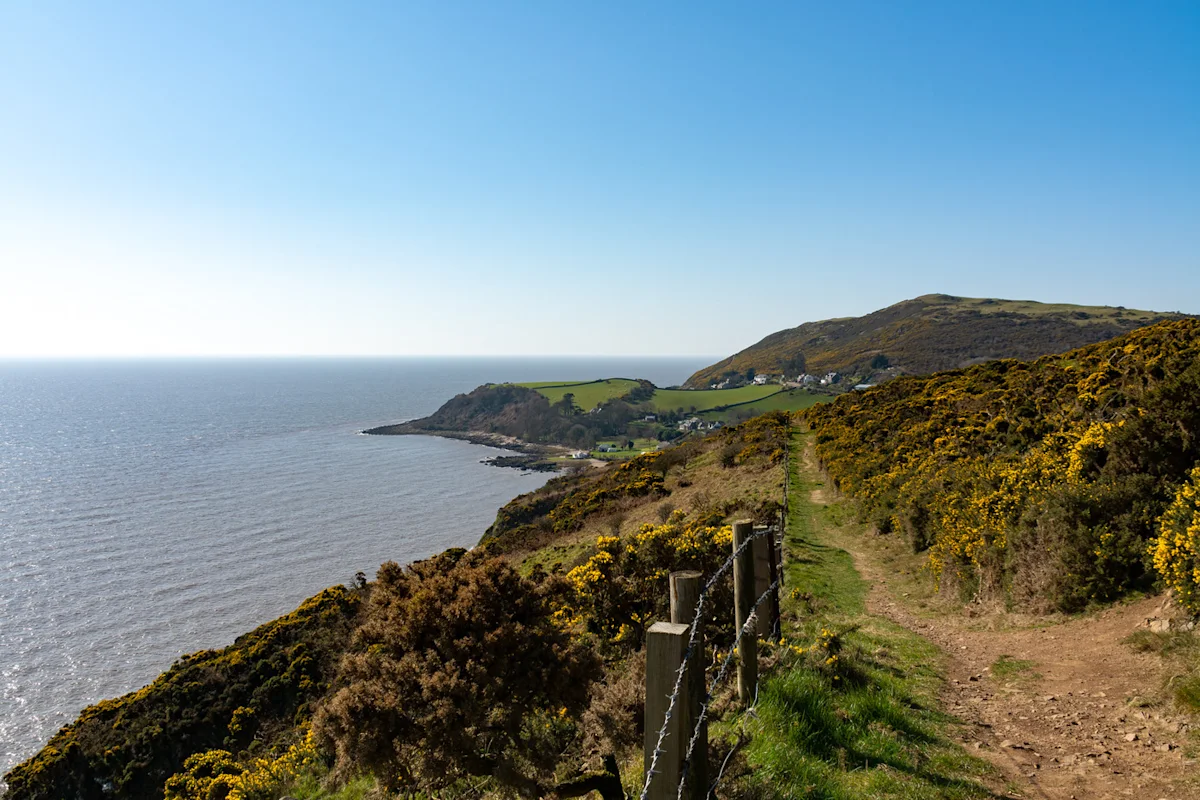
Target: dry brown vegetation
[931, 333]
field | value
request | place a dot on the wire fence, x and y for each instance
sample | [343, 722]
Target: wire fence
[749, 627]
[750, 624]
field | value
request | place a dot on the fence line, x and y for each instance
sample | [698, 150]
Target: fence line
[750, 623]
[651, 771]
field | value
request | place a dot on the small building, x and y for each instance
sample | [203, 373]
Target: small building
[650, 418]
[578, 454]
[762, 380]
[861, 386]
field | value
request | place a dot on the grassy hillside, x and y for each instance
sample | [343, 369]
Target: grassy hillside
[929, 334]
[1038, 483]
[706, 399]
[735, 468]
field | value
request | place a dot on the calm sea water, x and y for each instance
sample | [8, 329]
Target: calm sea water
[150, 509]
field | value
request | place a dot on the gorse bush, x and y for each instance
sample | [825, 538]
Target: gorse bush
[1038, 482]
[1176, 551]
[217, 775]
[460, 668]
[625, 584]
[566, 503]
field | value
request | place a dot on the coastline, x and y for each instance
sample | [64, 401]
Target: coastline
[533, 457]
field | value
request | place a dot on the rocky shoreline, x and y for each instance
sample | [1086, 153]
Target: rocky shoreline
[532, 458]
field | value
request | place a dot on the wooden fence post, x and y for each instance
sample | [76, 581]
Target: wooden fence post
[743, 605]
[763, 577]
[666, 643]
[685, 593]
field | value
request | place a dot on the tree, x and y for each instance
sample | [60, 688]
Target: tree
[458, 669]
[566, 406]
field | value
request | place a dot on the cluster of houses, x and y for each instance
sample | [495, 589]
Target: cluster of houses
[759, 380]
[829, 379]
[697, 424]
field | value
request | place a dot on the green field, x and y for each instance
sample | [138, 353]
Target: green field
[787, 400]
[639, 446]
[705, 399]
[758, 399]
[588, 395]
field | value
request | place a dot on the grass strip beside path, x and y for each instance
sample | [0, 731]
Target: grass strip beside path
[851, 708]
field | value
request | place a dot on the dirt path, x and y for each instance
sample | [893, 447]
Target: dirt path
[1060, 715]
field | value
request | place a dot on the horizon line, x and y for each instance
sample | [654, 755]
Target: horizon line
[296, 356]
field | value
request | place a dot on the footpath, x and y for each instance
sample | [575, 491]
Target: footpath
[1062, 707]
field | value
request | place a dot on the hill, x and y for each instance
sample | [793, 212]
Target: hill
[1044, 484]
[580, 415]
[928, 334]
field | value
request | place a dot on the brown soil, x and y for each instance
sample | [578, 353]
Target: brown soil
[1081, 720]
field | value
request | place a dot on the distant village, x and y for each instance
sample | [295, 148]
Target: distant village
[801, 381]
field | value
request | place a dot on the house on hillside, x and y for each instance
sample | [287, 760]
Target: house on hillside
[578, 454]
[762, 380]
[650, 418]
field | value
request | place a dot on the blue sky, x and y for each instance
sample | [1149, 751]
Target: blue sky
[239, 178]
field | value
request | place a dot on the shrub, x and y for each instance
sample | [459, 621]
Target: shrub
[459, 668]
[1038, 483]
[1176, 550]
[217, 775]
[625, 585]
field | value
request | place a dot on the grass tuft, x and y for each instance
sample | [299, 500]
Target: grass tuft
[1007, 668]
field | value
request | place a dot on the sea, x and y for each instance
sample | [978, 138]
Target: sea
[154, 508]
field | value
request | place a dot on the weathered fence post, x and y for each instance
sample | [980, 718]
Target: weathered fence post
[743, 605]
[685, 594]
[666, 643]
[775, 565]
[763, 577]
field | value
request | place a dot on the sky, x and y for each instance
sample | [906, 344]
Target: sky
[483, 178]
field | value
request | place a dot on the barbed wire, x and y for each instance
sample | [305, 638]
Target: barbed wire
[751, 622]
[687, 655]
